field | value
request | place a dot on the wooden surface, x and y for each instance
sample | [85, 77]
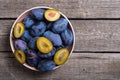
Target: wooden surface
[80, 66]
[97, 50]
[71, 8]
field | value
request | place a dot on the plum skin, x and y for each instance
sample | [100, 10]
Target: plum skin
[32, 58]
[54, 38]
[38, 30]
[46, 65]
[28, 22]
[32, 43]
[38, 14]
[26, 36]
[60, 25]
[67, 37]
[20, 45]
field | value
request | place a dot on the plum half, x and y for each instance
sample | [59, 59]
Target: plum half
[52, 15]
[20, 56]
[61, 56]
[44, 45]
[18, 30]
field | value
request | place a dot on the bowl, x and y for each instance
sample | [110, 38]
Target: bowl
[20, 19]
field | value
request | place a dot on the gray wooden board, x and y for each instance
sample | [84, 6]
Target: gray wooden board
[82, 66]
[71, 8]
[91, 35]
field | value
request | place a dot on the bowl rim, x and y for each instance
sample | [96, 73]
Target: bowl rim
[11, 34]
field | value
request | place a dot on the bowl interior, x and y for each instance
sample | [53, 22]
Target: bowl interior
[26, 13]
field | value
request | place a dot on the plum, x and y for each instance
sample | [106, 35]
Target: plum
[32, 43]
[32, 58]
[44, 45]
[38, 13]
[20, 45]
[20, 56]
[52, 15]
[38, 29]
[54, 38]
[28, 22]
[46, 65]
[67, 37]
[61, 56]
[18, 30]
[60, 25]
[26, 36]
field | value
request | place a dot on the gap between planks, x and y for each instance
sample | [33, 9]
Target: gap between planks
[74, 55]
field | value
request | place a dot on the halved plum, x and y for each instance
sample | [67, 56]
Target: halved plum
[18, 30]
[52, 15]
[20, 56]
[61, 56]
[44, 45]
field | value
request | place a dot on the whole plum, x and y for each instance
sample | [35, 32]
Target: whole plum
[38, 29]
[67, 37]
[32, 58]
[46, 65]
[20, 45]
[32, 43]
[38, 13]
[54, 38]
[26, 36]
[60, 25]
[28, 22]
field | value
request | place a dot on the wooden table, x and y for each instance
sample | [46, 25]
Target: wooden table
[96, 54]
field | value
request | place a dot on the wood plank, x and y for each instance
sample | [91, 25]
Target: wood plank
[4, 43]
[71, 8]
[101, 35]
[95, 35]
[5, 26]
[82, 66]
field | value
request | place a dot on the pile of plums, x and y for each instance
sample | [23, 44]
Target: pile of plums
[42, 39]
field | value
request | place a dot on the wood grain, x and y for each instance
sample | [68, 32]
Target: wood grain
[91, 35]
[82, 66]
[71, 8]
